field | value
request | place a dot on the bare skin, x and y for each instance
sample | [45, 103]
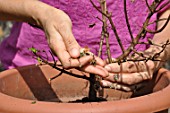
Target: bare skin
[58, 29]
[63, 44]
[133, 73]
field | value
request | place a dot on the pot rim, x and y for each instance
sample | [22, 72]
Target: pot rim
[141, 104]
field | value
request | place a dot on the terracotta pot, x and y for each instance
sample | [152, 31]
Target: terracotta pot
[28, 90]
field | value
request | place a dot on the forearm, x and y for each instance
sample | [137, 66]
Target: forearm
[162, 37]
[21, 10]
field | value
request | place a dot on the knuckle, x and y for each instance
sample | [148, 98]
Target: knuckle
[70, 42]
[67, 35]
[129, 70]
[130, 81]
[66, 66]
[130, 67]
[62, 25]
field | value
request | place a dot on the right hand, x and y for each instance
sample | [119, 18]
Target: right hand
[58, 29]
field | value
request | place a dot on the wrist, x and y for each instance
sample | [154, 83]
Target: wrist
[159, 55]
[38, 14]
[156, 51]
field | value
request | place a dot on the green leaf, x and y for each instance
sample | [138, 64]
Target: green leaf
[33, 50]
[39, 60]
[33, 102]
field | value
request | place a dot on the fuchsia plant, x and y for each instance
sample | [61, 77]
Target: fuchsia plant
[129, 54]
[153, 8]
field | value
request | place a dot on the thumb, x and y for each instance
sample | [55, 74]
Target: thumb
[71, 44]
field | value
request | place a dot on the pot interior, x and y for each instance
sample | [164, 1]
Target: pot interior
[33, 83]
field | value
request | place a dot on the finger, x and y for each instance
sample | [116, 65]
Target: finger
[79, 63]
[107, 60]
[123, 67]
[130, 67]
[107, 84]
[136, 87]
[58, 47]
[98, 70]
[99, 61]
[129, 78]
[71, 44]
[85, 60]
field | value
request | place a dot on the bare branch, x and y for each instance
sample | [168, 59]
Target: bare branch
[108, 15]
[156, 21]
[148, 5]
[58, 68]
[55, 62]
[105, 33]
[127, 21]
[162, 6]
[161, 29]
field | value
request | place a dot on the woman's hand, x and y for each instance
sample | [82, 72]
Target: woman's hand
[128, 75]
[58, 29]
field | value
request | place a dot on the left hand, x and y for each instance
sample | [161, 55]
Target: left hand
[129, 75]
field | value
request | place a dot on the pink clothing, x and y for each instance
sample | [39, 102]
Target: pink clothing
[14, 50]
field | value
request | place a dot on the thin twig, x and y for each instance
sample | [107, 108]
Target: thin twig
[108, 15]
[147, 4]
[156, 21]
[162, 6]
[161, 29]
[127, 21]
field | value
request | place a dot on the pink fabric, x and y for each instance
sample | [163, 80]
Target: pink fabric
[14, 50]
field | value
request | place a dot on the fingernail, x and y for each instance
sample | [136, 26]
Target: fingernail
[107, 68]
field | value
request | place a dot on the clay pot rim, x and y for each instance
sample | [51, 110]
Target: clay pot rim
[128, 105]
